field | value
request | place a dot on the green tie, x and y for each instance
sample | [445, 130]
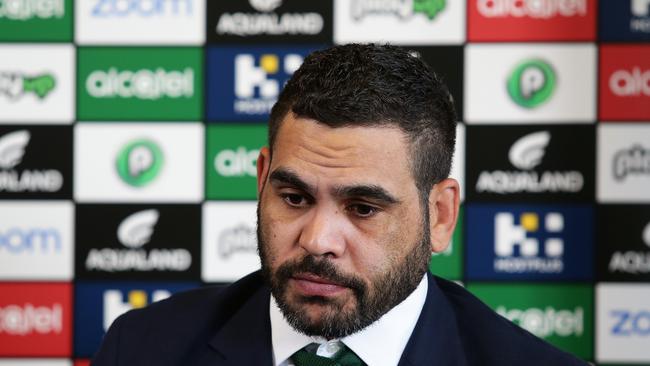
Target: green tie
[344, 357]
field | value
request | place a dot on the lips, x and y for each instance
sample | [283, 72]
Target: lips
[312, 285]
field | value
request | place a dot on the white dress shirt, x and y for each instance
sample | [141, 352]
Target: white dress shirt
[380, 344]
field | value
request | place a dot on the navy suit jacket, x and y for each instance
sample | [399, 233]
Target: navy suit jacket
[231, 326]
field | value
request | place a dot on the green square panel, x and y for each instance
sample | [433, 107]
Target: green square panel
[143, 83]
[449, 263]
[231, 160]
[36, 20]
[559, 314]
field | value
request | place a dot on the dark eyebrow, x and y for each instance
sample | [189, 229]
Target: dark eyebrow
[372, 192]
[286, 176]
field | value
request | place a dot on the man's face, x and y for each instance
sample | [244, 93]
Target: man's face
[341, 232]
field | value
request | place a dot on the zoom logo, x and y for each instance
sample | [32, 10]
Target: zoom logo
[16, 240]
[136, 230]
[532, 83]
[628, 323]
[139, 162]
[142, 8]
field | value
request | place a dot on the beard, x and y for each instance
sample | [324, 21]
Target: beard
[371, 300]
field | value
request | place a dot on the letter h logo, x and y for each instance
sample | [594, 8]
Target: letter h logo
[507, 235]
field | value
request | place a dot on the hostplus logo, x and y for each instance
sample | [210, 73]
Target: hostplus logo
[631, 261]
[142, 8]
[634, 161]
[16, 85]
[145, 84]
[526, 154]
[257, 87]
[268, 22]
[519, 252]
[640, 21]
[630, 83]
[403, 9]
[547, 322]
[27, 319]
[114, 304]
[133, 233]
[12, 151]
[237, 163]
[139, 162]
[239, 239]
[537, 9]
[531, 83]
[31, 9]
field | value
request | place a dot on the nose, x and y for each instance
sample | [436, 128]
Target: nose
[323, 232]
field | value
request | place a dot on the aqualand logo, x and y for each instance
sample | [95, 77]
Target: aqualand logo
[547, 321]
[633, 261]
[24, 10]
[536, 9]
[142, 8]
[139, 162]
[268, 22]
[634, 161]
[145, 84]
[133, 233]
[249, 78]
[12, 148]
[237, 163]
[16, 84]
[531, 83]
[508, 236]
[633, 82]
[115, 306]
[525, 154]
[12, 151]
[403, 9]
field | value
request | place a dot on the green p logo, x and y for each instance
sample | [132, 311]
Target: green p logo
[531, 83]
[139, 162]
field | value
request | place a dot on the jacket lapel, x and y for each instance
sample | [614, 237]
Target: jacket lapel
[244, 339]
[435, 339]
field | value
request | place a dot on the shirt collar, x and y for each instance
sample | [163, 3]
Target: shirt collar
[371, 343]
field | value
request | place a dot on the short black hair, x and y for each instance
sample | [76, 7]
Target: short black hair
[376, 85]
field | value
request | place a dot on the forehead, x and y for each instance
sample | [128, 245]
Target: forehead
[315, 151]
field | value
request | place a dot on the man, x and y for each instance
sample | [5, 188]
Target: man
[353, 199]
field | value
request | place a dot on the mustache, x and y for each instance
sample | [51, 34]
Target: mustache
[322, 268]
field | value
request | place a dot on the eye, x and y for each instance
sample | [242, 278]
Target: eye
[362, 210]
[294, 200]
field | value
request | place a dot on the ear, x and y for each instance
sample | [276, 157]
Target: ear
[263, 166]
[444, 200]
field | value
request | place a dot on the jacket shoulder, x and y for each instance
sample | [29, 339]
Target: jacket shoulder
[490, 339]
[176, 326]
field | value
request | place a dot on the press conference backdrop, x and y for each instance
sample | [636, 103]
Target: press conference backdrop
[129, 131]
